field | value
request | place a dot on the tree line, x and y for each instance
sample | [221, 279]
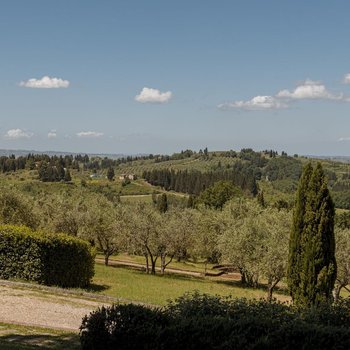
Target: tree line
[194, 182]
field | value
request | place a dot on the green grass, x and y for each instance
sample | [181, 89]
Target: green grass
[157, 290]
[133, 199]
[16, 337]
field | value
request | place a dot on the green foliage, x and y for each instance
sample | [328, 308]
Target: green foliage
[105, 224]
[260, 198]
[67, 176]
[312, 266]
[283, 168]
[194, 181]
[162, 203]
[342, 199]
[342, 220]
[255, 242]
[204, 322]
[52, 173]
[58, 260]
[122, 327]
[342, 237]
[218, 194]
[15, 209]
[110, 174]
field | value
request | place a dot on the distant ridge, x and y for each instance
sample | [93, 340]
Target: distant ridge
[20, 152]
[343, 159]
[23, 152]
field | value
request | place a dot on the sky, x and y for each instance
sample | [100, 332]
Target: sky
[159, 76]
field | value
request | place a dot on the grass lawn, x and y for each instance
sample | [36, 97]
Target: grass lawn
[157, 290]
[16, 337]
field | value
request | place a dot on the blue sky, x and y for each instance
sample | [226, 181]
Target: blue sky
[159, 76]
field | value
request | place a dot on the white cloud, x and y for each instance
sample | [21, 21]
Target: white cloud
[344, 139]
[93, 134]
[257, 103]
[52, 134]
[346, 79]
[309, 90]
[153, 96]
[14, 134]
[45, 83]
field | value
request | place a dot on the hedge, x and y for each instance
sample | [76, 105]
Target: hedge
[207, 322]
[50, 259]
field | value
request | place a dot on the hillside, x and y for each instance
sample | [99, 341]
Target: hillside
[275, 175]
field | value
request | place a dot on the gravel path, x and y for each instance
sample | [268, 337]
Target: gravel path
[36, 308]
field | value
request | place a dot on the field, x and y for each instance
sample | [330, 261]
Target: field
[157, 290]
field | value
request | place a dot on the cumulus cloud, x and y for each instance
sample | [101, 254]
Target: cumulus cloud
[15, 134]
[257, 103]
[153, 96]
[52, 134]
[346, 79]
[309, 90]
[45, 83]
[92, 134]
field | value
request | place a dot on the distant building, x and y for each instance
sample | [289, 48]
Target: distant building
[95, 176]
[127, 176]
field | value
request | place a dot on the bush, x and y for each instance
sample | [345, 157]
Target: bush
[205, 322]
[57, 259]
[122, 327]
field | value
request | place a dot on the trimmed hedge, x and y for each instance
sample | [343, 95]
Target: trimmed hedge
[58, 259]
[205, 322]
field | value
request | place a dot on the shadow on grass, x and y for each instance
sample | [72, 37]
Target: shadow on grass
[96, 288]
[39, 341]
[261, 287]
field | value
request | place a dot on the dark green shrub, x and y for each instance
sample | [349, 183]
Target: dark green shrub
[206, 322]
[129, 327]
[58, 259]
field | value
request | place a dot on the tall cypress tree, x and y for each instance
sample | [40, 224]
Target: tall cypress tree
[162, 203]
[312, 265]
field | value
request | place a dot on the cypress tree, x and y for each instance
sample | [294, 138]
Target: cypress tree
[110, 174]
[312, 265]
[162, 203]
[67, 176]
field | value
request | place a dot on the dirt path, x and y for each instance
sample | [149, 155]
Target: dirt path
[134, 195]
[115, 262]
[26, 306]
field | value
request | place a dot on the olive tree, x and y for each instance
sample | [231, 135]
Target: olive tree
[241, 242]
[144, 234]
[105, 224]
[342, 254]
[275, 226]
[209, 228]
[176, 235]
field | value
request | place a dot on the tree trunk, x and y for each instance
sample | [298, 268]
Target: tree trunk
[153, 260]
[106, 259]
[147, 263]
[269, 293]
[270, 288]
[243, 277]
[162, 264]
[153, 269]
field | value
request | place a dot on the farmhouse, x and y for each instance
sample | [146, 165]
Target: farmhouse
[127, 176]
